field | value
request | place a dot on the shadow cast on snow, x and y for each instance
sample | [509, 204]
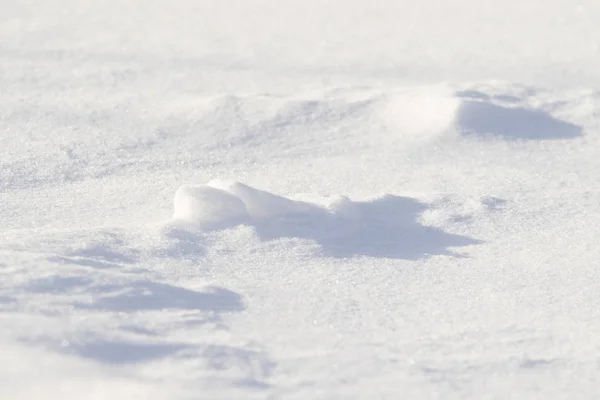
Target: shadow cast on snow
[137, 295]
[182, 244]
[7, 300]
[387, 227]
[108, 251]
[141, 344]
[484, 118]
[147, 295]
[250, 367]
[111, 289]
[124, 352]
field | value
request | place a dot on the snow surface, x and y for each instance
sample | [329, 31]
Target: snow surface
[299, 199]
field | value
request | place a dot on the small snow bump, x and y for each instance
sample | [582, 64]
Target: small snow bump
[385, 226]
[343, 206]
[261, 204]
[207, 207]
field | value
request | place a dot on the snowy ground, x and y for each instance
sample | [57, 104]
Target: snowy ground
[299, 199]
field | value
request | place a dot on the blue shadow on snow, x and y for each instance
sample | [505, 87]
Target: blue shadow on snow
[483, 118]
[387, 227]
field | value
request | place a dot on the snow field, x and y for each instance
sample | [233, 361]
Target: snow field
[406, 203]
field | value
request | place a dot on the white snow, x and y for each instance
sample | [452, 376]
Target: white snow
[299, 200]
[208, 207]
[259, 203]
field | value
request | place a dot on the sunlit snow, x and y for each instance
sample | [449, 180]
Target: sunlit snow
[260, 199]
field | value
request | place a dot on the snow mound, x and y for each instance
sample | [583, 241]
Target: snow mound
[419, 113]
[208, 207]
[221, 204]
[386, 226]
[259, 203]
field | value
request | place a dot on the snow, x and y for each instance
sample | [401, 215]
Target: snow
[208, 207]
[485, 118]
[384, 227]
[300, 199]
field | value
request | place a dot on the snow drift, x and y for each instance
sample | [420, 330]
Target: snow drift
[386, 226]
